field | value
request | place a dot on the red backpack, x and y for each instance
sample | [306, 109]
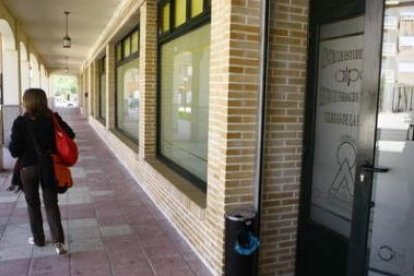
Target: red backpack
[66, 148]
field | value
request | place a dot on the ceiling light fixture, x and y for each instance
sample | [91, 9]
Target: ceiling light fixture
[66, 39]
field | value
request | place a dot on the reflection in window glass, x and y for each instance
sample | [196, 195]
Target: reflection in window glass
[180, 12]
[128, 98]
[127, 47]
[119, 52]
[102, 103]
[134, 42]
[335, 146]
[184, 101]
[166, 18]
[196, 7]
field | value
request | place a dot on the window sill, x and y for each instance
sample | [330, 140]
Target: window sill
[133, 145]
[101, 120]
[183, 185]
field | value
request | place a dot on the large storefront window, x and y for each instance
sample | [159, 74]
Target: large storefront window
[184, 48]
[128, 98]
[127, 75]
[184, 96]
[102, 88]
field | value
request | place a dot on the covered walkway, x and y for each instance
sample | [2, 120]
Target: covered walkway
[112, 227]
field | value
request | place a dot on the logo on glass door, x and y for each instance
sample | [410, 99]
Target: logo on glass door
[342, 186]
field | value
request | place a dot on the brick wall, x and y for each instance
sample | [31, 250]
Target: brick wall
[148, 79]
[283, 146]
[234, 69]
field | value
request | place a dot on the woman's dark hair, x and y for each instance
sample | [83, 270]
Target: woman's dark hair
[35, 102]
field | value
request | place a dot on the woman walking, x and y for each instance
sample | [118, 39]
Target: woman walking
[32, 141]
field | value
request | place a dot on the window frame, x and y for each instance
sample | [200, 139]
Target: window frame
[189, 25]
[101, 72]
[118, 63]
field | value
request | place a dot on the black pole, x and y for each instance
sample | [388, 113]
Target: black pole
[264, 52]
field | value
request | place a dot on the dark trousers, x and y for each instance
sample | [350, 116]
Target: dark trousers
[30, 177]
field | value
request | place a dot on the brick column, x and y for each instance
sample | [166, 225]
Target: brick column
[283, 145]
[234, 69]
[148, 79]
[110, 86]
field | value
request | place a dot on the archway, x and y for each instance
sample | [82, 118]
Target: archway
[34, 72]
[44, 80]
[9, 66]
[24, 69]
[10, 83]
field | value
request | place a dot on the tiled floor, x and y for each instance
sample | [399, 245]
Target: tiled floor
[111, 226]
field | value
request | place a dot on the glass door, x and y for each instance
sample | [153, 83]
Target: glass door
[335, 66]
[391, 242]
[336, 128]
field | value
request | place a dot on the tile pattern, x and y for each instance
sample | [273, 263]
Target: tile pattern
[111, 226]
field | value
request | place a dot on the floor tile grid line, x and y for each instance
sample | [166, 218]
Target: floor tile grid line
[5, 183]
[109, 155]
[139, 242]
[137, 189]
[141, 246]
[106, 255]
[7, 223]
[80, 127]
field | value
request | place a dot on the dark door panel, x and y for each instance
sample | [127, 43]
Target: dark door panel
[331, 136]
[325, 252]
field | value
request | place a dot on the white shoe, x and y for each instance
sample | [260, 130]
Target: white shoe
[60, 249]
[31, 241]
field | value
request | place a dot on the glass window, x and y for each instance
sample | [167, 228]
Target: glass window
[166, 18]
[135, 42]
[128, 98]
[180, 12]
[102, 88]
[184, 100]
[102, 110]
[119, 52]
[196, 7]
[127, 47]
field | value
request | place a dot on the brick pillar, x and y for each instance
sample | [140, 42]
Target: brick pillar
[110, 86]
[283, 144]
[148, 79]
[234, 69]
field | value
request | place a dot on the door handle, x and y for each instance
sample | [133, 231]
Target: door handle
[368, 168]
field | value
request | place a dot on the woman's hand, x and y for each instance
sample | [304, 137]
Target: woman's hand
[14, 188]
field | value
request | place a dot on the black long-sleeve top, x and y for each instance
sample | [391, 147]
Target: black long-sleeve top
[21, 144]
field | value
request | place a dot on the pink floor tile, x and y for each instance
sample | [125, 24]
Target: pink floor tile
[14, 267]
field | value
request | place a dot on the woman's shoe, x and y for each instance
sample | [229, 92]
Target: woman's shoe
[32, 242]
[60, 249]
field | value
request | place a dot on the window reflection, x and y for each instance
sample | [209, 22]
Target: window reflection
[103, 97]
[128, 98]
[391, 246]
[184, 101]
